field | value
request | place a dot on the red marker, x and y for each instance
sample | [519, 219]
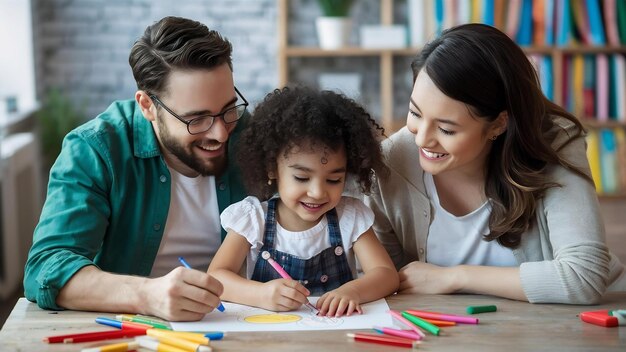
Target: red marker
[600, 318]
[383, 340]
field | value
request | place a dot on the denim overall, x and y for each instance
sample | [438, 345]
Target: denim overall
[324, 272]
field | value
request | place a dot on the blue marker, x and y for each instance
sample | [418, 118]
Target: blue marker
[214, 335]
[186, 265]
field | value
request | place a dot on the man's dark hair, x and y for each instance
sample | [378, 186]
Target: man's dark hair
[175, 43]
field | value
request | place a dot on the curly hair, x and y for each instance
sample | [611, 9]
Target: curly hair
[288, 117]
[175, 43]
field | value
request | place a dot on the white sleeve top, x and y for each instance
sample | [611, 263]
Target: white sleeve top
[247, 218]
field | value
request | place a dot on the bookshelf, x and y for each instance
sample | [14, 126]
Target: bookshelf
[564, 46]
[385, 57]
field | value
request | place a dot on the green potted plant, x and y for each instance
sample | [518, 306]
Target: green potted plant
[56, 117]
[333, 28]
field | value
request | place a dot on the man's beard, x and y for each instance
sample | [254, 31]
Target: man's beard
[214, 166]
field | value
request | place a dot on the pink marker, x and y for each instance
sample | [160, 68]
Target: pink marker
[398, 316]
[397, 332]
[279, 269]
[444, 317]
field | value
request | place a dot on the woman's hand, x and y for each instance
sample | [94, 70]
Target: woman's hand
[335, 303]
[418, 277]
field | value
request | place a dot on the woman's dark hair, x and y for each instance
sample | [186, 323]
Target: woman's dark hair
[296, 116]
[482, 67]
[175, 43]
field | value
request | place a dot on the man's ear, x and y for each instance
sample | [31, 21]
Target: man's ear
[147, 106]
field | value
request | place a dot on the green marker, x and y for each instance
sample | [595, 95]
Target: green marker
[421, 323]
[141, 320]
[481, 309]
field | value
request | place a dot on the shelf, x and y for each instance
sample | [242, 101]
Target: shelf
[594, 123]
[302, 51]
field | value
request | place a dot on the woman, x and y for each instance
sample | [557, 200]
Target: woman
[490, 190]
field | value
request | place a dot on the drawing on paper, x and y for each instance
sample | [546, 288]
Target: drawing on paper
[274, 318]
[239, 317]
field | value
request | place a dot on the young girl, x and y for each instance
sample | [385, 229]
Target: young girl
[295, 156]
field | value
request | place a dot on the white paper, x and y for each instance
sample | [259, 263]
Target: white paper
[239, 317]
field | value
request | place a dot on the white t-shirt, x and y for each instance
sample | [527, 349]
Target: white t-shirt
[193, 225]
[455, 240]
[247, 218]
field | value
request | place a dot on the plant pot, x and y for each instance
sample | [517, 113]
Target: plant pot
[333, 32]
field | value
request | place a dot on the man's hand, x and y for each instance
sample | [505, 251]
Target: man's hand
[182, 295]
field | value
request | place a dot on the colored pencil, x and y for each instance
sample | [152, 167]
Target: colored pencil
[182, 260]
[439, 323]
[383, 340]
[445, 317]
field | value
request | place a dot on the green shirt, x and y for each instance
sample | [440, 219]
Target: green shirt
[107, 202]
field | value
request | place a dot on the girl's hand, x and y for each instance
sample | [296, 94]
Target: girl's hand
[344, 300]
[418, 277]
[283, 295]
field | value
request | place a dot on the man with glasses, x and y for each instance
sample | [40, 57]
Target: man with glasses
[143, 184]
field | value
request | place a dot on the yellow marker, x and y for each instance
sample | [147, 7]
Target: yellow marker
[154, 345]
[116, 347]
[190, 336]
[166, 337]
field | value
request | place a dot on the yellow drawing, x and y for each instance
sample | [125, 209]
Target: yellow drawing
[272, 318]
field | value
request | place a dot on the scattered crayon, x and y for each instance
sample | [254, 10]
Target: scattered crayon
[481, 309]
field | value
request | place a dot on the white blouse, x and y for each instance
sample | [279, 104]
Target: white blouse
[455, 240]
[247, 219]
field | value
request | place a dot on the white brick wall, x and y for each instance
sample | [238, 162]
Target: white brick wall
[82, 46]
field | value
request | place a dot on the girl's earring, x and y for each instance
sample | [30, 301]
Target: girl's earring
[494, 137]
[269, 181]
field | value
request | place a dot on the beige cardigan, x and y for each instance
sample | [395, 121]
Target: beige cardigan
[563, 257]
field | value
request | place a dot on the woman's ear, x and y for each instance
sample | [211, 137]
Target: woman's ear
[502, 122]
[499, 125]
[147, 106]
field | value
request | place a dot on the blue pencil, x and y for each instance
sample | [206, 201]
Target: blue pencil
[186, 265]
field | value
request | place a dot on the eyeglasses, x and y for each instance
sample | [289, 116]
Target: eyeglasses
[203, 123]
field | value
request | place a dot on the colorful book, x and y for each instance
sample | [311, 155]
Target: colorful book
[608, 160]
[548, 6]
[563, 23]
[595, 22]
[593, 155]
[525, 32]
[578, 77]
[589, 87]
[609, 8]
[512, 18]
[581, 21]
[620, 87]
[612, 87]
[417, 27]
[488, 12]
[620, 138]
[602, 87]
[621, 21]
